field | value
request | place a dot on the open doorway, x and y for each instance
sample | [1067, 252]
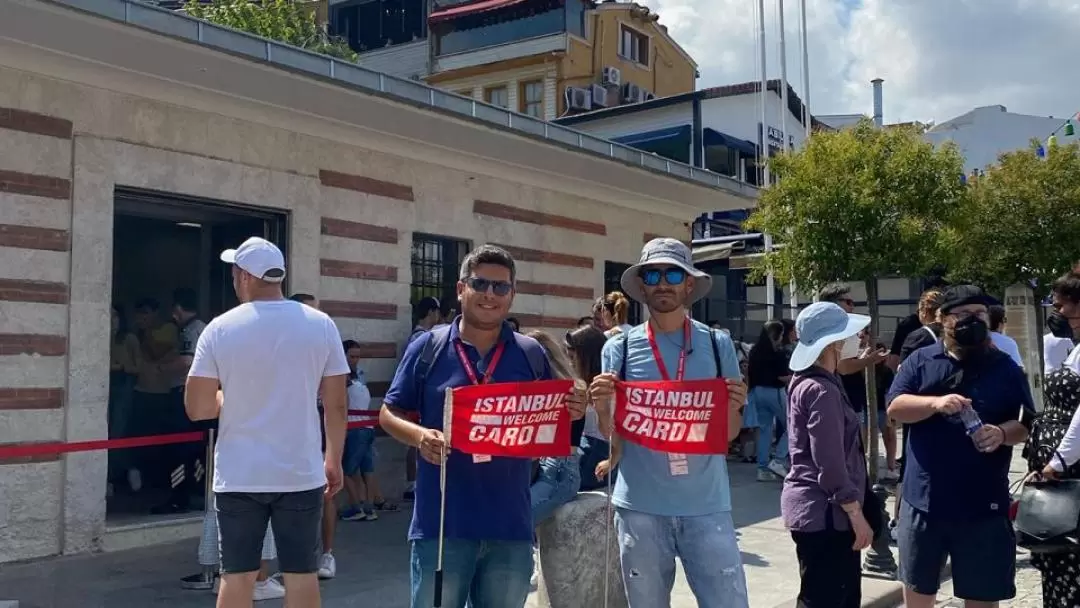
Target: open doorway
[168, 282]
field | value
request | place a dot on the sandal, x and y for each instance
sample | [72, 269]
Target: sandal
[385, 506]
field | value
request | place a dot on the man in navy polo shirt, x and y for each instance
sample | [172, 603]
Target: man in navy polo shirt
[956, 486]
[487, 556]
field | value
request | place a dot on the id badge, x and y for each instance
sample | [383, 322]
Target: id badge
[479, 458]
[678, 464]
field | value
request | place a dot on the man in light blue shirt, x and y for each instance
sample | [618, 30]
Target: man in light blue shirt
[673, 505]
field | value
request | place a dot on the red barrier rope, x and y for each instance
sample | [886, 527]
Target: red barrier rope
[59, 447]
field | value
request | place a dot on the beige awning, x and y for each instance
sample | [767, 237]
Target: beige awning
[713, 252]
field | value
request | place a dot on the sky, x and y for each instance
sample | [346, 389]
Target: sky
[938, 58]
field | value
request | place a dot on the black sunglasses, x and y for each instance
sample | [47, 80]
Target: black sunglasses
[500, 288]
[672, 276]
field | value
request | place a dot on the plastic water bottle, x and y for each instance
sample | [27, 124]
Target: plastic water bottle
[971, 420]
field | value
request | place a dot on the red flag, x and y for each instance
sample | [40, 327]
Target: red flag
[688, 417]
[511, 419]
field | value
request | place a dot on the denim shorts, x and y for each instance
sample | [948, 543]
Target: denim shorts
[982, 550]
[359, 453]
[295, 516]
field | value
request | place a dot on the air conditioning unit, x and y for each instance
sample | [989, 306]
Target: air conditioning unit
[578, 98]
[648, 96]
[612, 77]
[599, 96]
[632, 93]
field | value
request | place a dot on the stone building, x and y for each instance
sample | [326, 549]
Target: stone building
[135, 143]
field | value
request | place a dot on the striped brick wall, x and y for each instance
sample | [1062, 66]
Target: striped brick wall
[35, 244]
[35, 219]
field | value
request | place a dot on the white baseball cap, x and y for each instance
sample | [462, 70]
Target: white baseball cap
[258, 257]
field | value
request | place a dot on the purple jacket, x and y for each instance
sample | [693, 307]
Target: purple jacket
[827, 464]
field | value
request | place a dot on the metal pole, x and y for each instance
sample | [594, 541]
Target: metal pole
[783, 77]
[204, 580]
[770, 280]
[807, 119]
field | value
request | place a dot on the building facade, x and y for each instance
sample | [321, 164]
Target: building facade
[374, 187]
[543, 58]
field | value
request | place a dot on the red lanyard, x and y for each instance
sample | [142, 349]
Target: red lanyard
[682, 353]
[495, 356]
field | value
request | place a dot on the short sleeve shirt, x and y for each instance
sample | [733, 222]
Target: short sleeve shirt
[946, 476]
[485, 500]
[645, 482]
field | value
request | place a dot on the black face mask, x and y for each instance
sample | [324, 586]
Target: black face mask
[1058, 324]
[971, 332]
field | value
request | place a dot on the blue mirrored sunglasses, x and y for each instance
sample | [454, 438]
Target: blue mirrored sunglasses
[671, 276]
[501, 288]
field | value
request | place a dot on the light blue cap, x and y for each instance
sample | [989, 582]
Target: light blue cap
[819, 325]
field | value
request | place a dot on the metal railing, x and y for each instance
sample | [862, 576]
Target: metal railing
[179, 25]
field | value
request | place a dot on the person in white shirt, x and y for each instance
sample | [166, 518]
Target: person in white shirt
[998, 338]
[1057, 342]
[271, 357]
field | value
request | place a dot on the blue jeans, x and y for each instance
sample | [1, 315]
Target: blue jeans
[359, 453]
[594, 452]
[706, 545]
[771, 404]
[487, 573]
[558, 484]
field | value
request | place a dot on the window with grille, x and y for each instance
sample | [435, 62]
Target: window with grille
[532, 98]
[613, 272]
[436, 261]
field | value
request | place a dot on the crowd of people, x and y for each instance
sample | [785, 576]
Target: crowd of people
[796, 407]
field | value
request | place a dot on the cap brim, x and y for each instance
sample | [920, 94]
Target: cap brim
[806, 355]
[631, 285]
[228, 256]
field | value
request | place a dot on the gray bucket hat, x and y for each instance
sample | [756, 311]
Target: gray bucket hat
[665, 252]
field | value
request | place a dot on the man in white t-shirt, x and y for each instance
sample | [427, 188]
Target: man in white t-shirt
[998, 338]
[271, 357]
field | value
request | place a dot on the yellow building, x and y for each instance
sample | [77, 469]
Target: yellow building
[544, 58]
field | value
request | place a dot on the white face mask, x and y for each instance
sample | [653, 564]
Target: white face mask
[851, 348]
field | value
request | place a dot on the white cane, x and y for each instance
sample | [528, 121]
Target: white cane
[448, 405]
[608, 519]
[442, 529]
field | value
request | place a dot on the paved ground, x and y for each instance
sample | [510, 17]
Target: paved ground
[373, 566]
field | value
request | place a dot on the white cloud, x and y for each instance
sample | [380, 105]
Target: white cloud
[939, 58]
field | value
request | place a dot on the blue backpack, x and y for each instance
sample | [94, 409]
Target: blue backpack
[439, 338]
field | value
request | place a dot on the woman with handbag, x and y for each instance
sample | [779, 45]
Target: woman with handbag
[824, 494]
[1055, 443]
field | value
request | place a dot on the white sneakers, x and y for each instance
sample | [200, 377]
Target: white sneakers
[327, 566]
[270, 589]
[779, 468]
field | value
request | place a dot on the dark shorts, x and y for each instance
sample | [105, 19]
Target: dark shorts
[982, 551]
[296, 518]
[359, 454]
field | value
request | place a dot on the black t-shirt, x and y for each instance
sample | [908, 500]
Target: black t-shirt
[767, 367]
[855, 387]
[923, 336]
[903, 329]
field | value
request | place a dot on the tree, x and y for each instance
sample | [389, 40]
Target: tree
[287, 21]
[857, 205]
[1020, 220]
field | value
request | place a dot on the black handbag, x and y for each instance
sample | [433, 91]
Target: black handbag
[1048, 516]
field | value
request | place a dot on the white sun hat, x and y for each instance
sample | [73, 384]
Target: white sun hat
[819, 325]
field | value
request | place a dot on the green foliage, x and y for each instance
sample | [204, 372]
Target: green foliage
[1020, 220]
[286, 21]
[857, 204]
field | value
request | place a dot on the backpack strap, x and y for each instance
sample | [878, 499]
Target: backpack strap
[625, 353]
[535, 353]
[716, 354]
[436, 341]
